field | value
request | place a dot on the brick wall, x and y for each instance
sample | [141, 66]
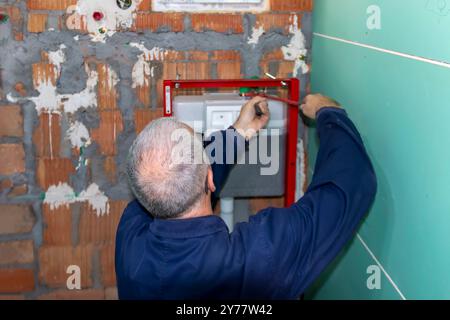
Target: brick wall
[71, 105]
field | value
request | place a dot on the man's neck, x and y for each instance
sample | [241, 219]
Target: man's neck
[203, 209]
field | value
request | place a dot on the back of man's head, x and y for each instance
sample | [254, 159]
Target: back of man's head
[164, 170]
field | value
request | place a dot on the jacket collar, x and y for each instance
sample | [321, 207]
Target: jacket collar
[188, 228]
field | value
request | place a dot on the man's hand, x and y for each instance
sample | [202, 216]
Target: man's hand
[248, 123]
[314, 102]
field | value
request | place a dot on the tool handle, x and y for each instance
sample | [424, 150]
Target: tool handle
[258, 111]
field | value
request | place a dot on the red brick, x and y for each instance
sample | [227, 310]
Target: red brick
[54, 260]
[9, 297]
[142, 117]
[143, 94]
[107, 93]
[225, 55]
[19, 190]
[18, 36]
[145, 5]
[111, 125]
[16, 280]
[16, 219]
[172, 55]
[285, 69]
[20, 89]
[12, 159]
[154, 21]
[291, 5]
[37, 22]
[65, 294]
[109, 165]
[172, 70]
[44, 72]
[11, 121]
[273, 55]
[57, 225]
[111, 293]
[47, 136]
[50, 4]
[16, 252]
[100, 229]
[107, 265]
[258, 204]
[186, 70]
[198, 55]
[232, 23]
[6, 184]
[229, 70]
[74, 21]
[53, 171]
[281, 21]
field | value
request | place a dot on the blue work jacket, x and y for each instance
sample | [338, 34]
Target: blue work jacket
[276, 255]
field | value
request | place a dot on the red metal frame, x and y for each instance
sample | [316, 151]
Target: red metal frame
[293, 87]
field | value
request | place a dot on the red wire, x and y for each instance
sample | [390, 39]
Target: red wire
[290, 102]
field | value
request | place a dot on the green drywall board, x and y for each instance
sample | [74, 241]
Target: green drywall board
[336, 284]
[401, 107]
[417, 27]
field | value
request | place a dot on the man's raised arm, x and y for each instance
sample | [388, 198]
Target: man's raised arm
[303, 239]
[233, 140]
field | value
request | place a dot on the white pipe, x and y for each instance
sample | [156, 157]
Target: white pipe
[227, 212]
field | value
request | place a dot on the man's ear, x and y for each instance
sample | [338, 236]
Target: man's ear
[210, 180]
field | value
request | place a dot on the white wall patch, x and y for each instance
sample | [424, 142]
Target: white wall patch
[96, 198]
[155, 53]
[257, 32]
[57, 58]
[142, 69]
[59, 195]
[112, 78]
[100, 18]
[86, 98]
[50, 101]
[47, 100]
[78, 135]
[64, 195]
[295, 50]
[141, 73]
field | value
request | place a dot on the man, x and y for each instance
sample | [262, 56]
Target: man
[170, 245]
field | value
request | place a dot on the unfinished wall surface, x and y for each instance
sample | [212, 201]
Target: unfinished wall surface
[74, 92]
[388, 63]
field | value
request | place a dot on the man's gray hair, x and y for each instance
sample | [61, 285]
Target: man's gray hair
[167, 182]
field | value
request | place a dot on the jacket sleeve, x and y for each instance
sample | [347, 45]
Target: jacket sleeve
[300, 241]
[224, 148]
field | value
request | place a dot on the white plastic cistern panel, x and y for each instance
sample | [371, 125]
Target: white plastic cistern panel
[218, 111]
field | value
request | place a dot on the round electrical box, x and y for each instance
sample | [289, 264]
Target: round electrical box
[124, 4]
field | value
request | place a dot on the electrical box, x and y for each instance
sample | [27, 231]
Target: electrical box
[260, 177]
